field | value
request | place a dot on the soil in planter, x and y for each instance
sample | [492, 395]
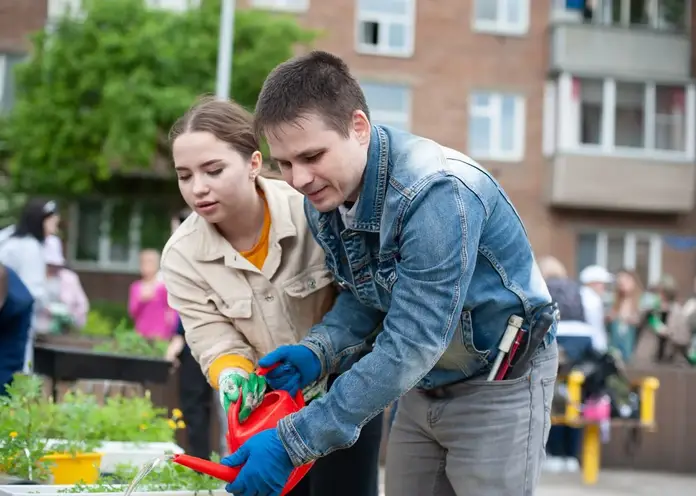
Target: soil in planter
[143, 472]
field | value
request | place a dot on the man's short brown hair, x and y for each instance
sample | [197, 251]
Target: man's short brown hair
[317, 83]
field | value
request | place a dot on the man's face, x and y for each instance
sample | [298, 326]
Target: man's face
[318, 161]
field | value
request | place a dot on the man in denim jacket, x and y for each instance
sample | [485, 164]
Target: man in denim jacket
[425, 242]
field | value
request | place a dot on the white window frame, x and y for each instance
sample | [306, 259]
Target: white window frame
[568, 123]
[103, 264]
[501, 26]
[282, 5]
[379, 116]
[3, 69]
[493, 112]
[655, 253]
[382, 48]
[57, 8]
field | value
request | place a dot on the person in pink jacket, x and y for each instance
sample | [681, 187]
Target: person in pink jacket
[66, 302]
[147, 301]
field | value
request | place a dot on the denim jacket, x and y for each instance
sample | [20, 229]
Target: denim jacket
[438, 255]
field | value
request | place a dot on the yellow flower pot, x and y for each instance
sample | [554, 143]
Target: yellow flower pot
[71, 469]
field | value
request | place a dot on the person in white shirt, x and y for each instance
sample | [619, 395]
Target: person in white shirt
[580, 329]
[595, 280]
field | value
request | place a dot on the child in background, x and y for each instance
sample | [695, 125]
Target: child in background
[147, 301]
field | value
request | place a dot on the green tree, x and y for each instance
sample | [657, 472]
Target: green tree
[101, 90]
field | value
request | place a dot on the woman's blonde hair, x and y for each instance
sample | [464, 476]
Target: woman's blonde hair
[551, 267]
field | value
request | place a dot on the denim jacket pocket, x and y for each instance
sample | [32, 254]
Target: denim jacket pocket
[462, 354]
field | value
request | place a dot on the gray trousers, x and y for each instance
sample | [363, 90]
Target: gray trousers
[485, 439]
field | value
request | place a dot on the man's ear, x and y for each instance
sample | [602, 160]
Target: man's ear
[362, 127]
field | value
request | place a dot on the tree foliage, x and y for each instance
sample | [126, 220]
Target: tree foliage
[102, 89]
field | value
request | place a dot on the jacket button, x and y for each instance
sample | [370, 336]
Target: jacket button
[312, 284]
[269, 298]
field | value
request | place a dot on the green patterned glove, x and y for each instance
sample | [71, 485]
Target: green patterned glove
[238, 385]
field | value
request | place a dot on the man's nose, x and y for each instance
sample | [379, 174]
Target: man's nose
[301, 177]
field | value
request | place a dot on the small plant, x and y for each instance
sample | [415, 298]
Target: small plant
[128, 342]
[25, 421]
[98, 325]
[167, 477]
[136, 420]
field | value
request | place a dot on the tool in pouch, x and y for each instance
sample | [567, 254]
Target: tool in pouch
[275, 406]
[518, 345]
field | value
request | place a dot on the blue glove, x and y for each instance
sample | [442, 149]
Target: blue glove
[266, 466]
[299, 367]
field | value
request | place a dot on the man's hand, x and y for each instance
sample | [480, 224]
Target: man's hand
[266, 466]
[298, 367]
[238, 385]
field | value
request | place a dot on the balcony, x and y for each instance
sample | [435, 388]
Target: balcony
[607, 46]
[621, 183]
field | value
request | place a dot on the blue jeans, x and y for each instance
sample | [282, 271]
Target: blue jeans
[564, 442]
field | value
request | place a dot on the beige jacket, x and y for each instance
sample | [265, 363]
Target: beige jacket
[232, 313]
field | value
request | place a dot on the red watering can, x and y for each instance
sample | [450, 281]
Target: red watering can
[275, 406]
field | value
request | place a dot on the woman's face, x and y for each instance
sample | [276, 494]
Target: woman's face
[215, 180]
[50, 224]
[625, 283]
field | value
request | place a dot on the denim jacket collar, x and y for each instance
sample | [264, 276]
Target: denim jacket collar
[368, 211]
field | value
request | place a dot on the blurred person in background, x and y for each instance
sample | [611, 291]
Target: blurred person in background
[246, 276]
[665, 334]
[147, 301]
[595, 280]
[67, 303]
[22, 250]
[16, 304]
[575, 337]
[195, 394]
[625, 315]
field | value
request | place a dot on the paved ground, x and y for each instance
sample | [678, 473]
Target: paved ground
[613, 483]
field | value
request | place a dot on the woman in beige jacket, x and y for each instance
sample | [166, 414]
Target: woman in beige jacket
[244, 272]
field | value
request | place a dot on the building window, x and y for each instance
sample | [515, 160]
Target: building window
[668, 15]
[496, 126]
[629, 116]
[8, 62]
[109, 234]
[615, 250]
[286, 5]
[501, 16]
[389, 104]
[386, 27]
[59, 8]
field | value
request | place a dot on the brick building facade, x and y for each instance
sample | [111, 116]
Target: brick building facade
[590, 125]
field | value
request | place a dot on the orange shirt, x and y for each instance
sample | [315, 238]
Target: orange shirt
[257, 255]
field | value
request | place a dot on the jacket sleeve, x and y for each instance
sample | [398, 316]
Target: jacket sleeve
[215, 342]
[432, 269]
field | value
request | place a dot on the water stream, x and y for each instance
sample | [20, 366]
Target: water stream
[144, 471]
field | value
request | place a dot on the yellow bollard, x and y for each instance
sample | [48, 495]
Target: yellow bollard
[591, 453]
[575, 382]
[647, 401]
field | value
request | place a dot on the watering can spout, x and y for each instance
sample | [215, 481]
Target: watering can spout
[217, 470]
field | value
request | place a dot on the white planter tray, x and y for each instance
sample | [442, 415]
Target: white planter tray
[115, 453]
[42, 490]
